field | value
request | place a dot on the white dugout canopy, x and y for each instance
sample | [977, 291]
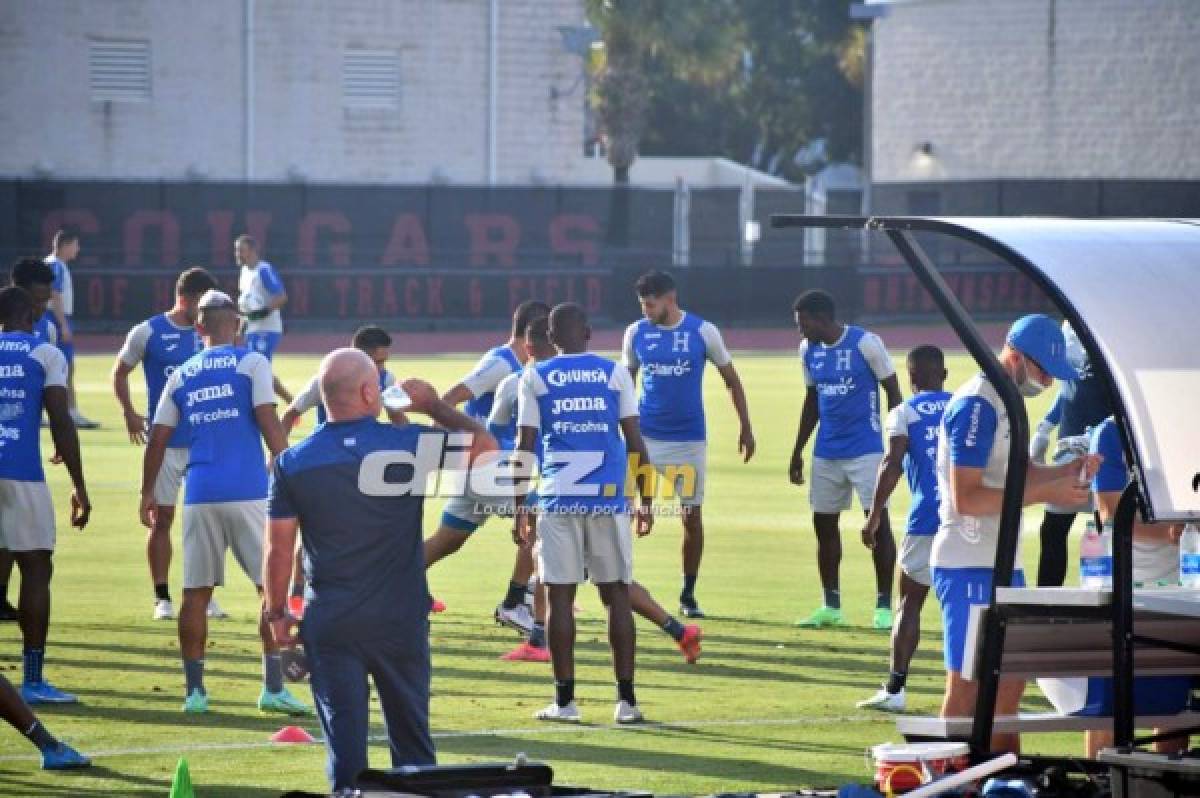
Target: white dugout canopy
[1131, 290]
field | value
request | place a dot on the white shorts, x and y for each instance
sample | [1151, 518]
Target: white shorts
[210, 529]
[690, 465]
[170, 476]
[914, 558]
[471, 511]
[834, 482]
[1155, 562]
[574, 547]
[26, 516]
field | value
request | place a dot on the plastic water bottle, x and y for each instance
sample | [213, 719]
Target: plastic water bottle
[1095, 558]
[1189, 557]
[396, 398]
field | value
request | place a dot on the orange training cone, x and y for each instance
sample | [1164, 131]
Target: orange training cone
[292, 734]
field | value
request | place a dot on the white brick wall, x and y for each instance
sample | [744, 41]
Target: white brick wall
[196, 117]
[1037, 89]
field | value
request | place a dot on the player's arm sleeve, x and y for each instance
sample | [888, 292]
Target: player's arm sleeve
[167, 412]
[54, 364]
[308, 398]
[59, 276]
[389, 379]
[714, 345]
[528, 413]
[487, 375]
[877, 356]
[970, 429]
[622, 383]
[897, 422]
[628, 354]
[279, 497]
[270, 280]
[262, 382]
[502, 408]
[808, 380]
[1112, 474]
[134, 348]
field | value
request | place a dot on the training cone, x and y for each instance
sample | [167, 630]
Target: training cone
[181, 786]
[292, 734]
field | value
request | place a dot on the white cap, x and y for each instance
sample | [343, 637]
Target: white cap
[213, 298]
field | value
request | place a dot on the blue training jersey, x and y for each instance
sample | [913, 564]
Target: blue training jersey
[492, 368]
[361, 527]
[161, 347]
[846, 377]
[1112, 475]
[672, 361]
[46, 329]
[919, 419]
[28, 366]
[1085, 402]
[214, 394]
[576, 402]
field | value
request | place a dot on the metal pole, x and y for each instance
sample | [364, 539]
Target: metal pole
[1014, 482]
[248, 91]
[492, 77]
[1122, 616]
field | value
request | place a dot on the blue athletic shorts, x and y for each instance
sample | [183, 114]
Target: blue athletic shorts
[263, 342]
[959, 589]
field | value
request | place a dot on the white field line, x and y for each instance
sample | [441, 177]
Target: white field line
[559, 729]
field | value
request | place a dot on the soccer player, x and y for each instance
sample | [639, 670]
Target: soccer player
[972, 460]
[584, 408]
[56, 755]
[843, 367]
[224, 397]
[671, 348]
[459, 521]
[1155, 563]
[37, 278]
[1082, 404]
[62, 305]
[377, 344]
[912, 433]
[260, 296]
[162, 344]
[502, 424]
[33, 376]
[369, 601]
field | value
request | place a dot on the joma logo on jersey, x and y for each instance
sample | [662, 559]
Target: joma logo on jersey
[560, 377]
[579, 404]
[679, 368]
[14, 346]
[209, 393]
[929, 407]
[12, 371]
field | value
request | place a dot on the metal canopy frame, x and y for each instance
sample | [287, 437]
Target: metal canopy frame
[900, 230]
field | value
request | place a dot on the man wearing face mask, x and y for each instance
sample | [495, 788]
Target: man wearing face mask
[1082, 405]
[972, 461]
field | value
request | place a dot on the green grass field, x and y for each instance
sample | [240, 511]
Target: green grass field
[768, 707]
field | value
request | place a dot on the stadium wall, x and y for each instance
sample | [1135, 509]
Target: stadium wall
[446, 258]
[1035, 90]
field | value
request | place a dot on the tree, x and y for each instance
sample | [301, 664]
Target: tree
[695, 41]
[756, 81]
